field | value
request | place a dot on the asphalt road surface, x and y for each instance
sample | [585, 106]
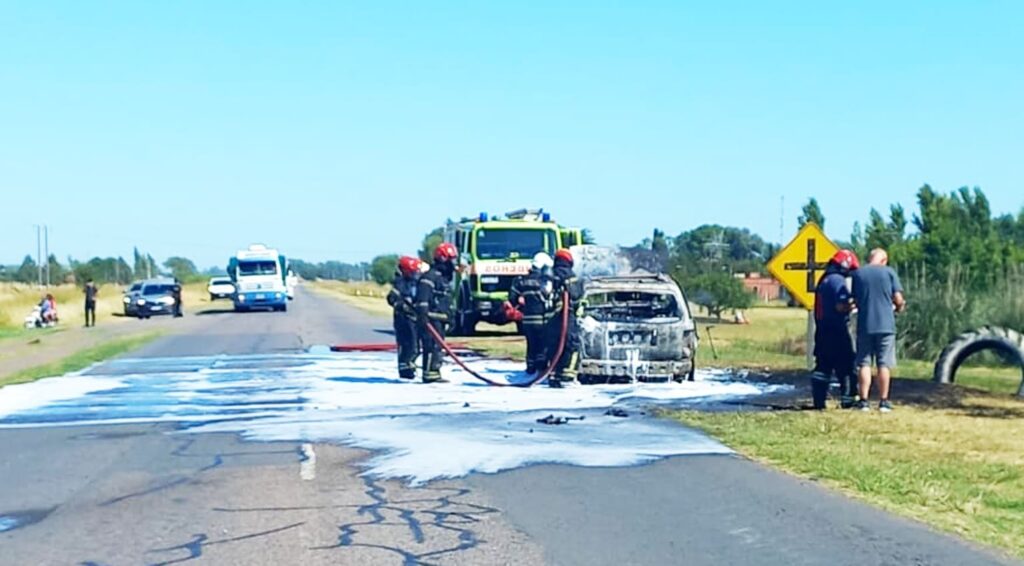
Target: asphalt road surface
[145, 494]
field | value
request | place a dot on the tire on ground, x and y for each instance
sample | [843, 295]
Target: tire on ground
[1006, 342]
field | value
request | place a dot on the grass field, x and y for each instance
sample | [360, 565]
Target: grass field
[17, 300]
[958, 466]
[69, 346]
[954, 460]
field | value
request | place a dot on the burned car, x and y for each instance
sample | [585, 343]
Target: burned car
[636, 328]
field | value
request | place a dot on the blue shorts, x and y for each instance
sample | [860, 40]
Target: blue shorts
[879, 347]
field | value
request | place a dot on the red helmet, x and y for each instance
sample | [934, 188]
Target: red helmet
[846, 259]
[408, 266]
[564, 255]
[446, 252]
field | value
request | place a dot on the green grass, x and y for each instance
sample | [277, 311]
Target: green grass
[80, 360]
[959, 468]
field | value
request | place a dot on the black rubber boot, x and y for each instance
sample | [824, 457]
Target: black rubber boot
[819, 390]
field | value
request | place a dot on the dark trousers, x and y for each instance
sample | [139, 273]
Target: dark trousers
[431, 351]
[834, 357]
[177, 307]
[90, 313]
[536, 350]
[565, 365]
[407, 340]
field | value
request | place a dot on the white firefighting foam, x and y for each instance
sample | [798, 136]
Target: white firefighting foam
[420, 431]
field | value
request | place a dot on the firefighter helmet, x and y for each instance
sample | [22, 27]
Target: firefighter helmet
[446, 252]
[542, 260]
[564, 255]
[408, 266]
[845, 259]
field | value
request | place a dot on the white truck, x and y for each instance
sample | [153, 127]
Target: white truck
[259, 274]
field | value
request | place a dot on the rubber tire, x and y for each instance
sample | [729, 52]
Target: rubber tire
[1008, 342]
[283, 308]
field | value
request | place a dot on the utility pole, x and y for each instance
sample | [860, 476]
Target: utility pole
[46, 255]
[39, 253]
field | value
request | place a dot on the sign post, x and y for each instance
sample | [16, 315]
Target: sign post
[798, 266]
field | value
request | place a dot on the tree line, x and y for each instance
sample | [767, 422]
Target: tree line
[116, 270]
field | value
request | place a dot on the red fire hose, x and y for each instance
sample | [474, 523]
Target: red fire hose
[539, 377]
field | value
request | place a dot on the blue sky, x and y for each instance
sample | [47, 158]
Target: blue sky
[343, 129]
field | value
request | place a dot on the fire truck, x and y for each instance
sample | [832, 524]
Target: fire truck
[493, 252]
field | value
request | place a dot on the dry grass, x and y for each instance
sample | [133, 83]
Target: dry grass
[364, 295]
[17, 300]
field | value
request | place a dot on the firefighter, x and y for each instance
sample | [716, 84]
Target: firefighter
[833, 346]
[402, 299]
[565, 281]
[530, 297]
[433, 307]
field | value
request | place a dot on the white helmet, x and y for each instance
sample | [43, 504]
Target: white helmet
[542, 260]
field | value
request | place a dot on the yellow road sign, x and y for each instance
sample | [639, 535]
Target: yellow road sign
[800, 264]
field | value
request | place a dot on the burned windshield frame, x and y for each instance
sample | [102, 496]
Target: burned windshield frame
[633, 305]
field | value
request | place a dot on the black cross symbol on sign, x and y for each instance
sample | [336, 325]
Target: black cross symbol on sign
[809, 265]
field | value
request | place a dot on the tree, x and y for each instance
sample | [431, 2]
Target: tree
[28, 272]
[430, 243]
[811, 213]
[383, 268]
[138, 264]
[658, 243]
[713, 247]
[57, 271]
[181, 268]
[718, 291]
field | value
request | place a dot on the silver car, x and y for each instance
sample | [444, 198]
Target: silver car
[636, 328]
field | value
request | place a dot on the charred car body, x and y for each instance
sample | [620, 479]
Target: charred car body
[635, 327]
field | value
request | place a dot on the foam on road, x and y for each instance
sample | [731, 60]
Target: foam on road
[420, 431]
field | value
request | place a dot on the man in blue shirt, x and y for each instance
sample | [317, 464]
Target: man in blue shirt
[879, 296]
[833, 346]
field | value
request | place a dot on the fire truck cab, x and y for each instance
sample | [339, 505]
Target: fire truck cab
[493, 251]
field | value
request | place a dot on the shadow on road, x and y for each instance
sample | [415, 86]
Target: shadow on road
[215, 311]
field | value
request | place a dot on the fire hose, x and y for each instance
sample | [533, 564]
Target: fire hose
[538, 378]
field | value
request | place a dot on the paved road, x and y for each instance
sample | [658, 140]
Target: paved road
[143, 494]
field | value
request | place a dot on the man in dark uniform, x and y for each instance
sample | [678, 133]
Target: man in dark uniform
[565, 281]
[833, 346]
[90, 303]
[433, 307]
[176, 295]
[402, 299]
[531, 296]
